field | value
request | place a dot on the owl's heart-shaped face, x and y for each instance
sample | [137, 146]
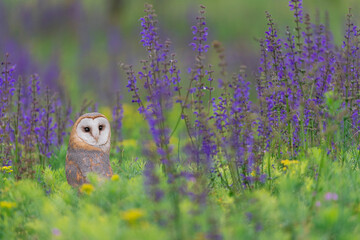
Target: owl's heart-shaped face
[94, 131]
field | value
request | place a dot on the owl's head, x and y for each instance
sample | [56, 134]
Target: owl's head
[92, 129]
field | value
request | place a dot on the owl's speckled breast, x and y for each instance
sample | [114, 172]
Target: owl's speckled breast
[79, 163]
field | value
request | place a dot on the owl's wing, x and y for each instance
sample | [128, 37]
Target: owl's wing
[99, 163]
[74, 175]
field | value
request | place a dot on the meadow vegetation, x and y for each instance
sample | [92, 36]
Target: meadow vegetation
[193, 157]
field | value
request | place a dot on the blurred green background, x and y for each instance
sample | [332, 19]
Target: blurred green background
[76, 46]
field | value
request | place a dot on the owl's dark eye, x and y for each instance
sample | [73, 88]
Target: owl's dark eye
[101, 127]
[86, 129]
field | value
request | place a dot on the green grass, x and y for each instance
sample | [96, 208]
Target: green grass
[292, 206]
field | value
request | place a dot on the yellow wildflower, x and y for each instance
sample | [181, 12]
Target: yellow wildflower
[7, 169]
[129, 143]
[132, 216]
[8, 205]
[289, 162]
[253, 173]
[115, 177]
[87, 188]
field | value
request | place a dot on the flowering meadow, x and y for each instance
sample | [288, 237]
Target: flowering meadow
[197, 152]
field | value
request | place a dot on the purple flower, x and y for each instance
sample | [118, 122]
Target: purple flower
[117, 120]
[296, 6]
[56, 232]
[331, 196]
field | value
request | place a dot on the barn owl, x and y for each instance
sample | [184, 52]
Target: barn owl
[88, 150]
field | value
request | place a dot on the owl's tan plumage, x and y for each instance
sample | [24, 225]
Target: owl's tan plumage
[88, 150]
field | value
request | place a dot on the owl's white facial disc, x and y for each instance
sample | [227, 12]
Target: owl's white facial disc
[94, 131]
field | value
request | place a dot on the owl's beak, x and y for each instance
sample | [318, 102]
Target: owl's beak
[96, 138]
